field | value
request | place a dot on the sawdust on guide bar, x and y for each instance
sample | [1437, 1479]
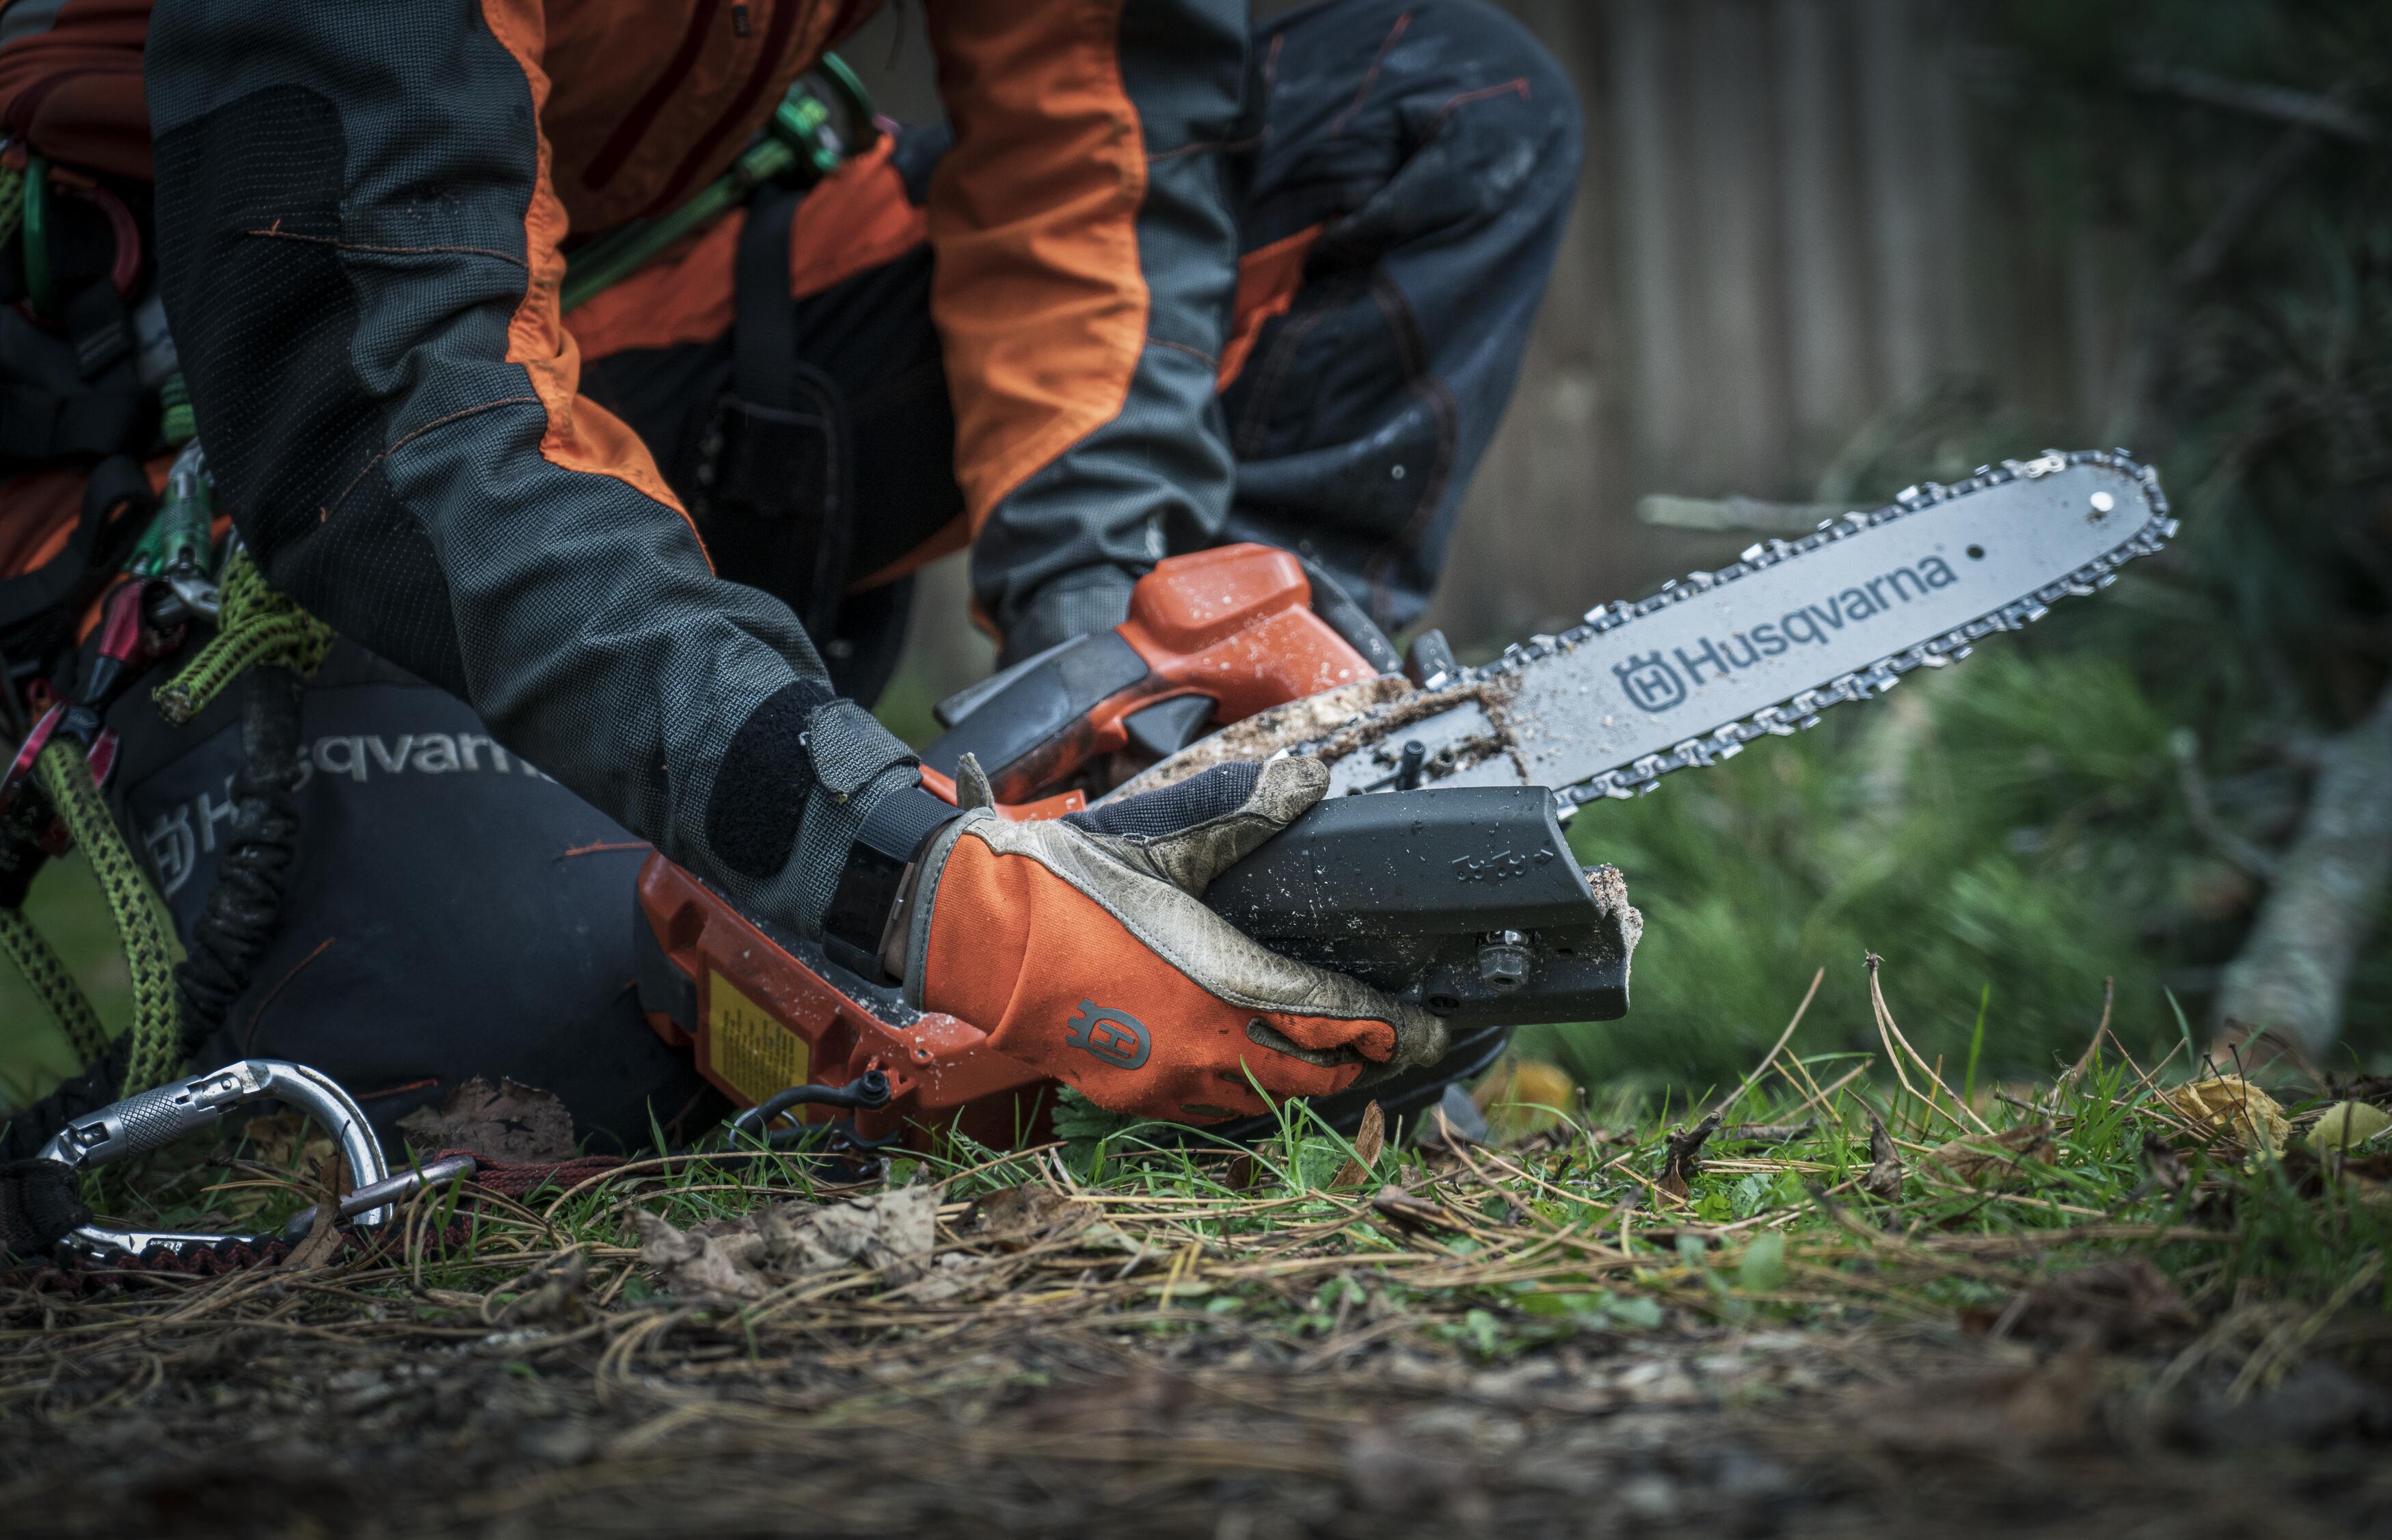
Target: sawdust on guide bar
[2130, 1314]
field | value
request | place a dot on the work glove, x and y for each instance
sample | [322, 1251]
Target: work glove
[1080, 946]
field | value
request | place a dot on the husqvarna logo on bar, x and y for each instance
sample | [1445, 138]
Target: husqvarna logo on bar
[1116, 1037]
[1654, 682]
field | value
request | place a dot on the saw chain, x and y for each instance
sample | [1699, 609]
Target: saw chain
[1716, 660]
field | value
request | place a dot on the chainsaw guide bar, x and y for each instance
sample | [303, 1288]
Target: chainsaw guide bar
[1688, 676]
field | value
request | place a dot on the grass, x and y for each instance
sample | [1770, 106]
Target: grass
[1575, 1228]
[1176, 1331]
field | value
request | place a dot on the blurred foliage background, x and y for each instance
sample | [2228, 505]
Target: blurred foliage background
[1911, 237]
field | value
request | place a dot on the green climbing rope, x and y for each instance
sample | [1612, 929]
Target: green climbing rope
[257, 625]
[53, 986]
[157, 1054]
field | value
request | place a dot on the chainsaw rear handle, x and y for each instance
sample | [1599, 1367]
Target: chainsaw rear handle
[1466, 900]
[1212, 638]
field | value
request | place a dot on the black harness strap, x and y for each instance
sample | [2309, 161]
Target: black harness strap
[777, 480]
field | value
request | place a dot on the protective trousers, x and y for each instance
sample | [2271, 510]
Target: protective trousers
[454, 912]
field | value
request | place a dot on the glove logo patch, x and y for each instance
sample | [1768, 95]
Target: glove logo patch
[1116, 1037]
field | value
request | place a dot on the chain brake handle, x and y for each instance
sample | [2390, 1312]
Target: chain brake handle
[1213, 637]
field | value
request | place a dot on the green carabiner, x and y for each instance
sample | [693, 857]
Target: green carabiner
[41, 289]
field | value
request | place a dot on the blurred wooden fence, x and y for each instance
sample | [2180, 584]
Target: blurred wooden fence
[1789, 224]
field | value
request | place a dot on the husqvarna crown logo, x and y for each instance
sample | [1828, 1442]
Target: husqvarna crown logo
[1116, 1037]
[1650, 682]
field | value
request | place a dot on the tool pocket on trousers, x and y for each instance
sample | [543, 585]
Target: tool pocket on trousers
[775, 499]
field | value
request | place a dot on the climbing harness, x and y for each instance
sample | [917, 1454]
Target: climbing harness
[826, 119]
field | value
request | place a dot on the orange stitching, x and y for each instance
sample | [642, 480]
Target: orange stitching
[1372, 77]
[325, 511]
[275, 231]
[1482, 94]
[604, 846]
[259, 1014]
[1196, 352]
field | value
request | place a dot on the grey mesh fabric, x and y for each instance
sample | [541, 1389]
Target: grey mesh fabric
[342, 194]
[1157, 477]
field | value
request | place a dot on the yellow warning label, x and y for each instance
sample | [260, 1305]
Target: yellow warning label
[758, 1056]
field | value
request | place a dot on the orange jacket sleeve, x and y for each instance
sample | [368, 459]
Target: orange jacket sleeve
[1085, 225]
[359, 237]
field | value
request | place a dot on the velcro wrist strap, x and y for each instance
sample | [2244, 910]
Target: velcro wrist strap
[857, 764]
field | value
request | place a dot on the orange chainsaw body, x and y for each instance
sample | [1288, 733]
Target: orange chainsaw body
[761, 1012]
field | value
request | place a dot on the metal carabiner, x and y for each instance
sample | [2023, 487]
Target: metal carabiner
[155, 1119]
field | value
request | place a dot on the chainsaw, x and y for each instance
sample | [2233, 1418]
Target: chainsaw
[1437, 868]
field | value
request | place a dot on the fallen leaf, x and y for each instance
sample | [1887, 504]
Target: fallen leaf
[730, 1260]
[1015, 1218]
[322, 1242]
[2231, 1106]
[1522, 1097]
[2348, 1125]
[509, 1125]
[1989, 1159]
[700, 1269]
[1369, 1140]
[891, 1233]
[1883, 1179]
[1682, 1155]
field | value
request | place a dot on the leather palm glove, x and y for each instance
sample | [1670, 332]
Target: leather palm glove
[1080, 946]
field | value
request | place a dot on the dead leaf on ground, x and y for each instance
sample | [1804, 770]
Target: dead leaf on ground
[1369, 1140]
[1682, 1156]
[1991, 1160]
[2344, 1126]
[322, 1242]
[508, 1124]
[700, 1268]
[2232, 1106]
[1883, 1179]
[1016, 1218]
[1522, 1097]
[730, 1260]
[2115, 1304]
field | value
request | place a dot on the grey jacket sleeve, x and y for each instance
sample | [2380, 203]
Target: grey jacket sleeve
[357, 244]
[1086, 227]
